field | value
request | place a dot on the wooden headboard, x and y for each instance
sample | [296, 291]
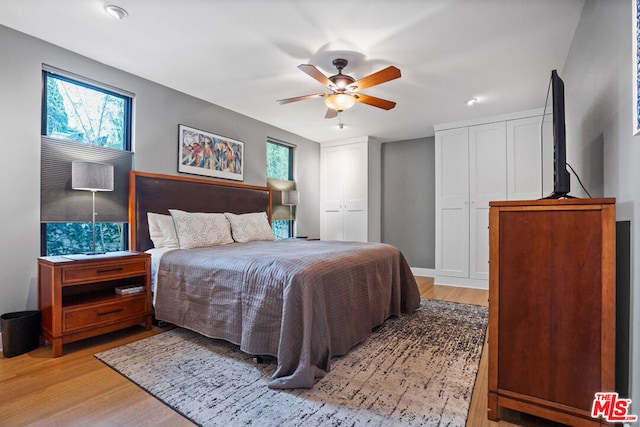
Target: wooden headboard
[150, 192]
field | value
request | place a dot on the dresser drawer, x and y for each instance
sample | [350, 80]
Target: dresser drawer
[83, 317]
[94, 272]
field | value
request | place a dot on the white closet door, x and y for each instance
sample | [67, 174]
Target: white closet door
[344, 192]
[452, 202]
[332, 225]
[547, 155]
[524, 159]
[487, 182]
[355, 192]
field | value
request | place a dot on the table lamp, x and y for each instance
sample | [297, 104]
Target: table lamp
[94, 177]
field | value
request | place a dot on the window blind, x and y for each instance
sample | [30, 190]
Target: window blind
[59, 203]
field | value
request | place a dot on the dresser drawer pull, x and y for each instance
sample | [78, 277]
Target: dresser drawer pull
[109, 270]
[110, 312]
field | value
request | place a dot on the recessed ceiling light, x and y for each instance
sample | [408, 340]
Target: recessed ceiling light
[116, 11]
[471, 101]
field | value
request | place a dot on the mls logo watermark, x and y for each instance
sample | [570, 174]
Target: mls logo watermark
[613, 409]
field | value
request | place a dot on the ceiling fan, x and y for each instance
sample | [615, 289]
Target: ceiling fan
[344, 89]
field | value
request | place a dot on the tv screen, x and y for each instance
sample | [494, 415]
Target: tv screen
[554, 110]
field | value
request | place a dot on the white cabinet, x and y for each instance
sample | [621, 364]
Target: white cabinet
[487, 182]
[344, 191]
[499, 158]
[452, 202]
[529, 166]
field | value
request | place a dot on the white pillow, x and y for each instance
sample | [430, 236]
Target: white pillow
[200, 230]
[249, 227]
[162, 231]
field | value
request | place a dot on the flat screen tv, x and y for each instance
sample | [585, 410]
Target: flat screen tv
[555, 106]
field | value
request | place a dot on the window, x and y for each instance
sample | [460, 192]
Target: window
[79, 112]
[279, 161]
[83, 121]
[280, 166]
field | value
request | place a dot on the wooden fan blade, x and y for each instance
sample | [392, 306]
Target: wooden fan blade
[376, 102]
[331, 113]
[382, 76]
[300, 98]
[316, 74]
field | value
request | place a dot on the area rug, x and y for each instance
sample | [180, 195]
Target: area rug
[418, 369]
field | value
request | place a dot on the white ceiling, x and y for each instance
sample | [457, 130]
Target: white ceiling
[243, 54]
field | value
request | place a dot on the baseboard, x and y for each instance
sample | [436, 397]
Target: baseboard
[423, 272]
[461, 282]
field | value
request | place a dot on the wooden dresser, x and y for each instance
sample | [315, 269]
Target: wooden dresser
[551, 307]
[78, 299]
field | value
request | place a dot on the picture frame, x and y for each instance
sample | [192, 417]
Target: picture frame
[636, 67]
[207, 154]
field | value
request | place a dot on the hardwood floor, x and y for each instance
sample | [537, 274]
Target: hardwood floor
[78, 390]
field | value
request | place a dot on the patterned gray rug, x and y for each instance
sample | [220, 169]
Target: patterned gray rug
[415, 370]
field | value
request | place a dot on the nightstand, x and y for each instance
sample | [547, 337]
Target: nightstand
[77, 295]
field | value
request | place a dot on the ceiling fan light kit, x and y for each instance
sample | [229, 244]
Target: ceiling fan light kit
[340, 101]
[343, 89]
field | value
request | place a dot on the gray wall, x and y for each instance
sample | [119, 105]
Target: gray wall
[408, 199]
[599, 105]
[157, 112]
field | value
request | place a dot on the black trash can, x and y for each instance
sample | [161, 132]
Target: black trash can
[20, 332]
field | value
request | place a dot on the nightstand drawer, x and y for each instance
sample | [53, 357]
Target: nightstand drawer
[75, 274]
[81, 318]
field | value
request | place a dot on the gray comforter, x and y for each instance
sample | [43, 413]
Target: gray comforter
[300, 301]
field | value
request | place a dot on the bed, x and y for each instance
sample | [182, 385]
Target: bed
[302, 302]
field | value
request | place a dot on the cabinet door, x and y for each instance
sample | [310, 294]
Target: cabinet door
[547, 155]
[525, 164]
[452, 202]
[344, 192]
[332, 227]
[355, 189]
[556, 302]
[487, 182]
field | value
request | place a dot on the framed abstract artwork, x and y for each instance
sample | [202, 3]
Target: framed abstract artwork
[204, 153]
[636, 67]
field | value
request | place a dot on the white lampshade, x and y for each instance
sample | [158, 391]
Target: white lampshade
[340, 101]
[91, 176]
[290, 197]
